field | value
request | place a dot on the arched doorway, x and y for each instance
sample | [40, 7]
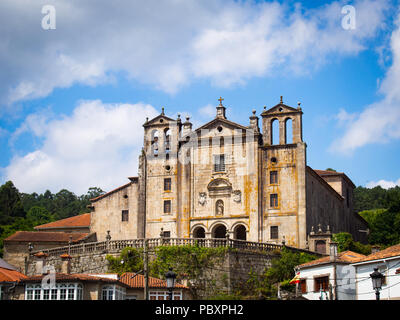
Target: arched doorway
[199, 233]
[240, 232]
[219, 231]
[320, 246]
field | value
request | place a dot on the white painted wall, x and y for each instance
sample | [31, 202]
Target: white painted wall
[345, 281]
[390, 291]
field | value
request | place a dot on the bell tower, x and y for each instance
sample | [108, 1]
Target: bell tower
[161, 136]
[284, 175]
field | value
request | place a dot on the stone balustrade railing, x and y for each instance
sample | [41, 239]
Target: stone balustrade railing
[114, 246]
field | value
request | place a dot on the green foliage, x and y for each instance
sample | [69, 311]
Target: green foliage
[345, 242]
[375, 198]
[187, 261]
[130, 260]
[281, 272]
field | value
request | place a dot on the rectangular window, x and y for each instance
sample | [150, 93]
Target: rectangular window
[46, 294]
[63, 294]
[37, 294]
[167, 206]
[219, 163]
[321, 283]
[167, 234]
[274, 232]
[167, 184]
[53, 294]
[273, 177]
[125, 215]
[273, 200]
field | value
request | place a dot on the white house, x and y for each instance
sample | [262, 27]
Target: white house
[388, 263]
[329, 278]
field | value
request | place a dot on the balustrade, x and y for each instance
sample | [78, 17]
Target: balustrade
[118, 245]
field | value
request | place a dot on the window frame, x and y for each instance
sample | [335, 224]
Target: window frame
[167, 204]
[62, 291]
[155, 295]
[273, 177]
[276, 232]
[220, 164]
[318, 280]
[125, 216]
[167, 184]
[273, 200]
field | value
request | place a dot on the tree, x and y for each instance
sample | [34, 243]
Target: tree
[39, 215]
[10, 202]
[345, 242]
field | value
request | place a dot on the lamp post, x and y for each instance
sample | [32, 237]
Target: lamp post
[170, 276]
[377, 279]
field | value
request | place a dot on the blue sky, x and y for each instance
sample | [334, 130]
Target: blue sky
[73, 99]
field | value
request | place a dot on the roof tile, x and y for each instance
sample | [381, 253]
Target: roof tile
[138, 281]
[42, 236]
[343, 257]
[81, 220]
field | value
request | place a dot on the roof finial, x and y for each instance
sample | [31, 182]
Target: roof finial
[220, 101]
[162, 110]
[281, 99]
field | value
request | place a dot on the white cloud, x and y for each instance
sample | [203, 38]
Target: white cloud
[207, 111]
[98, 145]
[383, 183]
[168, 44]
[380, 121]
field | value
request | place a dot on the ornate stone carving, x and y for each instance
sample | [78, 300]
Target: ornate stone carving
[202, 198]
[237, 196]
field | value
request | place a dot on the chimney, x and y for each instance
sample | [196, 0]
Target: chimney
[40, 262]
[65, 263]
[333, 251]
[375, 249]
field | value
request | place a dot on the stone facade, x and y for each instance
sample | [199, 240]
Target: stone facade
[227, 179]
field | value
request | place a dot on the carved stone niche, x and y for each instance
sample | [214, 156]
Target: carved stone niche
[219, 187]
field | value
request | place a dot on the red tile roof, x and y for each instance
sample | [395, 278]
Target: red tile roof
[138, 281]
[327, 173]
[392, 251]
[81, 220]
[7, 275]
[36, 236]
[73, 277]
[343, 257]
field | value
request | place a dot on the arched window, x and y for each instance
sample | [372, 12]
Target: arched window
[288, 131]
[275, 131]
[167, 142]
[240, 232]
[219, 231]
[199, 233]
[154, 142]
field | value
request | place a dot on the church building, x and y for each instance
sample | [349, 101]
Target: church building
[228, 179]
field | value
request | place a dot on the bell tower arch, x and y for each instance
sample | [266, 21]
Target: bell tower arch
[284, 175]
